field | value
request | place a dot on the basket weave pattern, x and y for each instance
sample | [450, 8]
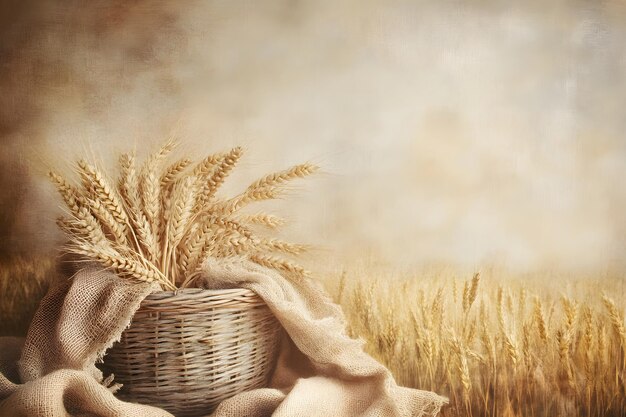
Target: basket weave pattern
[187, 351]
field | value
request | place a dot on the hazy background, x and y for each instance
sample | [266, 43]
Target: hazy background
[450, 132]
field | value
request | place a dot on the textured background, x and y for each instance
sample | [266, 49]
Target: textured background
[451, 133]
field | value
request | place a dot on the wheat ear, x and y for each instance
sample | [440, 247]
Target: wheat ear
[183, 198]
[99, 187]
[213, 232]
[83, 220]
[275, 245]
[128, 183]
[277, 178]
[618, 325]
[266, 220]
[171, 175]
[204, 167]
[269, 186]
[193, 245]
[249, 196]
[65, 225]
[122, 265]
[87, 226]
[173, 171]
[150, 185]
[279, 264]
[212, 182]
[460, 350]
[540, 320]
[202, 171]
[108, 221]
[473, 290]
[129, 189]
[69, 193]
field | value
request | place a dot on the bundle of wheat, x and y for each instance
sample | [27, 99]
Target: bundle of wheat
[160, 223]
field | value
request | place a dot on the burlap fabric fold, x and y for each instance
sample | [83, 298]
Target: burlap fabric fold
[320, 371]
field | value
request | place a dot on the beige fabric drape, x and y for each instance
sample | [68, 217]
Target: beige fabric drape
[320, 370]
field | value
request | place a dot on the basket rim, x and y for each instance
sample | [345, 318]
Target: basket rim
[160, 294]
[200, 299]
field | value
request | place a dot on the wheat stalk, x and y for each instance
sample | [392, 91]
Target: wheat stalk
[122, 265]
[618, 326]
[217, 176]
[204, 167]
[211, 232]
[67, 191]
[473, 290]
[86, 225]
[267, 220]
[183, 198]
[173, 171]
[129, 189]
[614, 316]
[276, 245]
[128, 184]
[460, 352]
[106, 218]
[465, 297]
[98, 187]
[540, 320]
[278, 178]
[279, 264]
[150, 186]
[169, 177]
[268, 187]
[563, 339]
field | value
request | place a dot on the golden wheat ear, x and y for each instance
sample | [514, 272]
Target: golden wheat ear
[128, 183]
[183, 200]
[173, 172]
[98, 187]
[269, 186]
[122, 265]
[82, 222]
[616, 321]
[281, 177]
[86, 226]
[212, 182]
[117, 230]
[69, 193]
[150, 185]
[141, 233]
[279, 264]
[204, 168]
[266, 220]
[276, 245]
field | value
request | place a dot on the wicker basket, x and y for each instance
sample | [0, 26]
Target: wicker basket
[187, 351]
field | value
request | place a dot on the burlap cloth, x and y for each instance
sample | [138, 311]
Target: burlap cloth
[320, 371]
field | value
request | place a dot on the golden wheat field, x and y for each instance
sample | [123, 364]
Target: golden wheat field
[494, 344]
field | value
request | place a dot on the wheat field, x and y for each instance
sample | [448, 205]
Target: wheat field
[494, 344]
